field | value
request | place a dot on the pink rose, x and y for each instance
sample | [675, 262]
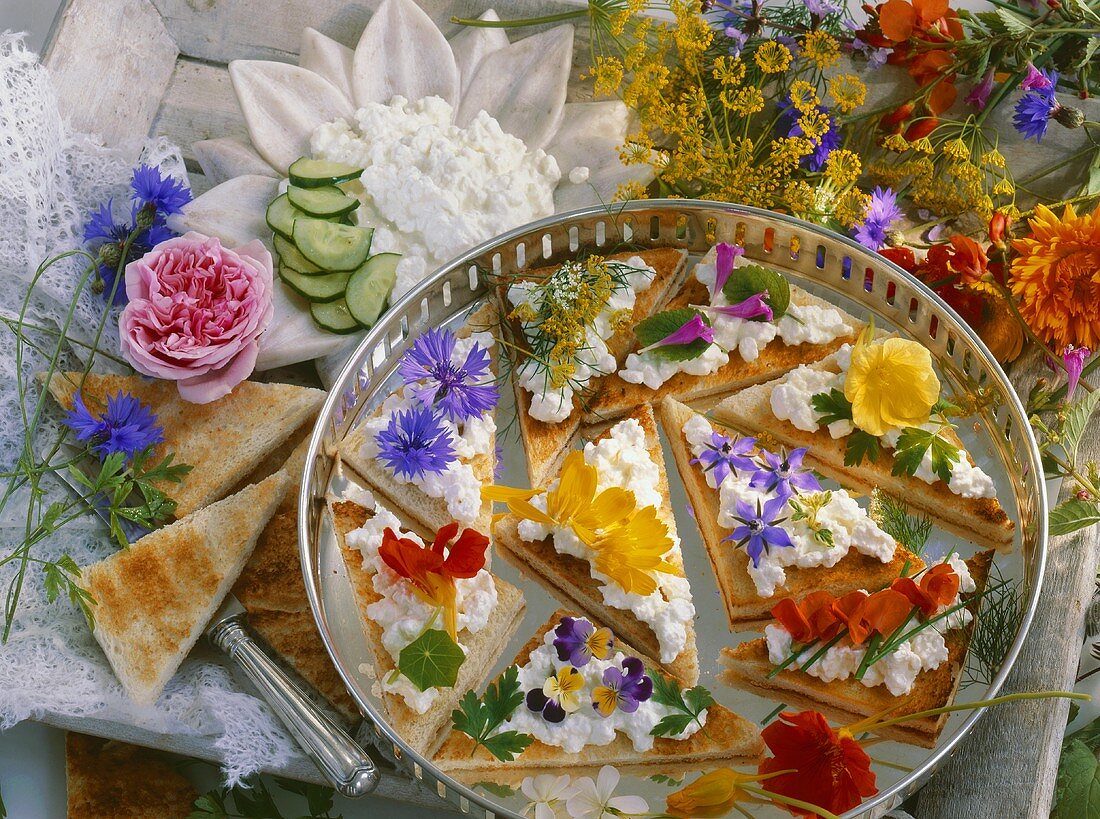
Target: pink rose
[195, 313]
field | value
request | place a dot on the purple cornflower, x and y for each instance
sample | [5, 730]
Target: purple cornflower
[821, 8]
[881, 214]
[415, 443]
[758, 529]
[722, 456]
[126, 426]
[622, 690]
[725, 256]
[578, 641]
[823, 146]
[1074, 358]
[1037, 80]
[692, 330]
[979, 94]
[1036, 107]
[166, 195]
[737, 39]
[752, 307]
[784, 474]
[431, 375]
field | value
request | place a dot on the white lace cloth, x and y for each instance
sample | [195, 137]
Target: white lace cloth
[50, 181]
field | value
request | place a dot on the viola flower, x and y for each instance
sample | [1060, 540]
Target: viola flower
[784, 474]
[559, 695]
[692, 330]
[723, 455]
[597, 800]
[890, 384]
[759, 528]
[415, 443]
[431, 375]
[1074, 358]
[881, 213]
[825, 768]
[578, 641]
[125, 426]
[622, 690]
[755, 306]
[166, 195]
[979, 94]
[725, 256]
[547, 793]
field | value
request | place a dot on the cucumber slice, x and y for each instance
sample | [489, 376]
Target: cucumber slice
[327, 202]
[369, 287]
[317, 173]
[290, 256]
[334, 316]
[281, 215]
[331, 246]
[328, 287]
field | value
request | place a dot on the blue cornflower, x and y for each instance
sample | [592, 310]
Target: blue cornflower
[784, 474]
[166, 194]
[829, 141]
[432, 376]
[881, 214]
[415, 443]
[1035, 108]
[126, 426]
[821, 8]
[759, 527]
[102, 230]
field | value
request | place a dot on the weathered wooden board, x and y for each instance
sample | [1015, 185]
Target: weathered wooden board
[198, 103]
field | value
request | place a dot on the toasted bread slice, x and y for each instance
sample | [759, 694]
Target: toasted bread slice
[106, 779]
[427, 514]
[570, 578]
[982, 520]
[426, 731]
[846, 701]
[153, 600]
[617, 397]
[727, 738]
[223, 441]
[547, 443]
[745, 608]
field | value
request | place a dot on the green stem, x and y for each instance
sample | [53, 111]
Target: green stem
[974, 706]
[788, 800]
[521, 22]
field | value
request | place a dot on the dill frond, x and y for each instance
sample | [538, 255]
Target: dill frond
[893, 516]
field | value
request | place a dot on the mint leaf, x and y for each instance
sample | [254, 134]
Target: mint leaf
[660, 326]
[832, 406]
[1073, 514]
[745, 282]
[1077, 790]
[431, 660]
[861, 445]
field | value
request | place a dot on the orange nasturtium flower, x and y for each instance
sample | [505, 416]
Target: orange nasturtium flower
[713, 794]
[432, 570]
[937, 587]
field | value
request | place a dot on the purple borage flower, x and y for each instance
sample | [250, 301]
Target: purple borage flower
[126, 426]
[622, 690]
[431, 375]
[881, 214]
[415, 443]
[784, 474]
[723, 455]
[725, 255]
[692, 330]
[759, 529]
[750, 308]
[1035, 108]
[578, 641]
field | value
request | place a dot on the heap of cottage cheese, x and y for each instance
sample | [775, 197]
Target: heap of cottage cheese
[432, 190]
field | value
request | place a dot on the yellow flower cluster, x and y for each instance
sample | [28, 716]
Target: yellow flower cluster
[820, 48]
[773, 57]
[847, 92]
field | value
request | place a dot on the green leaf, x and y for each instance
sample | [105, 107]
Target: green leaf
[3, 809]
[698, 699]
[671, 725]
[1072, 515]
[431, 660]
[471, 717]
[861, 445]
[1014, 24]
[1077, 789]
[662, 325]
[479, 718]
[832, 406]
[666, 691]
[496, 789]
[1077, 420]
[910, 449]
[504, 696]
[507, 745]
[1088, 734]
[944, 455]
[751, 279]
[945, 407]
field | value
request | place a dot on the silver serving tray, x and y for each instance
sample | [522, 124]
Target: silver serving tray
[822, 261]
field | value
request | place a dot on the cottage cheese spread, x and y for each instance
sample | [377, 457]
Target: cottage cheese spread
[850, 526]
[402, 615]
[457, 485]
[593, 358]
[791, 401]
[621, 459]
[586, 726]
[432, 190]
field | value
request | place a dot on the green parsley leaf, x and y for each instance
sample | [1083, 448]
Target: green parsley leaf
[431, 660]
[861, 445]
[507, 745]
[479, 718]
[832, 406]
[496, 789]
[945, 408]
[671, 725]
[910, 449]
[690, 704]
[745, 282]
[661, 326]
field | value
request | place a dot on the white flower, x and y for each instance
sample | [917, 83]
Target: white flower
[548, 795]
[594, 800]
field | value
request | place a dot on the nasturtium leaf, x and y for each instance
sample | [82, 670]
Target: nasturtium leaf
[431, 660]
[661, 326]
[745, 282]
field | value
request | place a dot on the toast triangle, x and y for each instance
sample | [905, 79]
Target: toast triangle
[745, 608]
[153, 600]
[223, 441]
[426, 731]
[728, 738]
[981, 520]
[846, 701]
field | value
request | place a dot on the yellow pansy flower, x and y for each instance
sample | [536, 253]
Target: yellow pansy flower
[565, 688]
[890, 384]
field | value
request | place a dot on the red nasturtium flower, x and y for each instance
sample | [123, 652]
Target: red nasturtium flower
[811, 619]
[937, 587]
[433, 569]
[878, 613]
[820, 616]
[827, 769]
[969, 259]
[921, 128]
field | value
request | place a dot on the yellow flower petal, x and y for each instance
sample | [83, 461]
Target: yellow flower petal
[890, 384]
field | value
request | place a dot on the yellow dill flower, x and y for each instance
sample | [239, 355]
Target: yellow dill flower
[524, 312]
[956, 149]
[923, 145]
[814, 125]
[843, 167]
[631, 190]
[621, 319]
[561, 372]
[1004, 188]
[804, 96]
[729, 70]
[891, 384]
[993, 158]
[799, 197]
[607, 74]
[773, 57]
[851, 207]
[744, 101]
[896, 142]
[820, 48]
[692, 34]
[848, 92]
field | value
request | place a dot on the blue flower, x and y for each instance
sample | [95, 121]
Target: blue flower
[759, 528]
[784, 474]
[102, 226]
[1035, 108]
[431, 375]
[415, 443]
[821, 8]
[166, 194]
[127, 426]
[829, 141]
[102, 229]
[881, 214]
[722, 456]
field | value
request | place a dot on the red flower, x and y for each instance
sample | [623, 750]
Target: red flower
[938, 587]
[968, 259]
[901, 256]
[878, 613]
[998, 228]
[812, 619]
[829, 770]
[921, 128]
[892, 122]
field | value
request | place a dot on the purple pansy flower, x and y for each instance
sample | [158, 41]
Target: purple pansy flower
[723, 455]
[578, 641]
[784, 474]
[979, 94]
[752, 307]
[759, 529]
[724, 256]
[881, 214]
[415, 443]
[430, 374]
[1037, 80]
[622, 690]
[692, 330]
[1074, 358]
[125, 426]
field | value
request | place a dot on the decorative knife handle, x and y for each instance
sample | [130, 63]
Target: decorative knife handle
[338, 756]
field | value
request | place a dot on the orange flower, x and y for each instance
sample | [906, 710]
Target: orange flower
[938, 587]
[878, 613]
[969, 259]
[934, 19]
[921, 128]
[713, 794]
[812, 619]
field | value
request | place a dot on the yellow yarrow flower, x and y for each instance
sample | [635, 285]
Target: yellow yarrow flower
[890, 384]
[820, 48]
[848, 92]
[773, 57]
[842, 167]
